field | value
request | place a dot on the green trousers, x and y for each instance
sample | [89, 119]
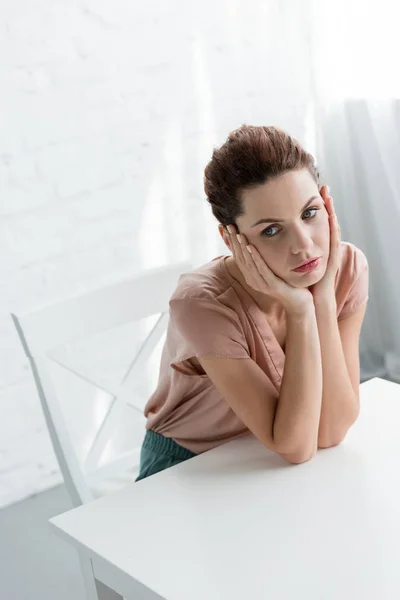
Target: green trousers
[158, 453]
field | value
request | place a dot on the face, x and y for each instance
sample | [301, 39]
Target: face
[286, 220]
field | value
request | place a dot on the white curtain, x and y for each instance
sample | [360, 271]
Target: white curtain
[355, 122]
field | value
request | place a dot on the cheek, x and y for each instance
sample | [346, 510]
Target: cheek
[273, 258]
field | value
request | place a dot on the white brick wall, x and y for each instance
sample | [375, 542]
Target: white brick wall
[108, 114]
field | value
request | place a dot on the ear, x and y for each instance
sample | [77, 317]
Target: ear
[224, 235]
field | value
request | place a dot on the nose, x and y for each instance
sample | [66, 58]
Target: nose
[301, 242]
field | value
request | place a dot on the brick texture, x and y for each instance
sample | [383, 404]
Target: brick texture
[108, 114]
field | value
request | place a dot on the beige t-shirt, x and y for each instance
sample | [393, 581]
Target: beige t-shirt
[211, 314]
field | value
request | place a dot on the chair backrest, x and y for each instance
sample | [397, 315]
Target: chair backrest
[136, 298]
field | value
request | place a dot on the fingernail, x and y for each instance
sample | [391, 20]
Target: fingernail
[238, 238]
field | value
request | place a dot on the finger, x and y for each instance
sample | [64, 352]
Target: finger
[324, 191]
[338, 231]
[330, 206]
[332, 238]
[256, 279]
[244, 259]
[263, 272]
[335, 235]
[253, 266]
[333, 228]
[237, 244]
[233, 240]
[244, 254]
[326, 203]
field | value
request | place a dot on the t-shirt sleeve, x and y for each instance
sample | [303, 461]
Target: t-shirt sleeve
[206, 327]
[357, 278]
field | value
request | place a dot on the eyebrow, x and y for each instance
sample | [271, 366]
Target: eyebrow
[271, 220]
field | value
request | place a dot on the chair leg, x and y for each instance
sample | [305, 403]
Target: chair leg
[88, 578]
[95, 590]
[106, 593]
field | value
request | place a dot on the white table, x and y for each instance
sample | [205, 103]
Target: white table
[239, 522]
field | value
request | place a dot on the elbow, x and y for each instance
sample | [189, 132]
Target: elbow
[330, 442]
[296, 458]
[329, 439]
[296, 453]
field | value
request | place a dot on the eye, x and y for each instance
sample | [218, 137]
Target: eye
[267, 232]
[310, 209]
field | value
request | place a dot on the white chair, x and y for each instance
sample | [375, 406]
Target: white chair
[94, 312]
[97, 311]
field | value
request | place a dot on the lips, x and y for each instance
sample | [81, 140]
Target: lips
[309, 266]
[306, 262]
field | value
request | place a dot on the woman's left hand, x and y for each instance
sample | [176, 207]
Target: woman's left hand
[325, 288]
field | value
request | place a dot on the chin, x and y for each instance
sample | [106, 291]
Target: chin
[306, 280]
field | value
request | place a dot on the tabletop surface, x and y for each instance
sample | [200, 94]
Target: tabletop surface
[239, 521]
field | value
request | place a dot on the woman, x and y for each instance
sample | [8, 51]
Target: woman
[256, 342]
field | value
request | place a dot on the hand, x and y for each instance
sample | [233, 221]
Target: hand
[325, 288]
[259, 276]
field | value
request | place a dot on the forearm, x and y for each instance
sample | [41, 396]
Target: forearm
[340, 405]
[297, 415]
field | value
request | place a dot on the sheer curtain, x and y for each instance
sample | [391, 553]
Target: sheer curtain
[355, 99]
[326, 71]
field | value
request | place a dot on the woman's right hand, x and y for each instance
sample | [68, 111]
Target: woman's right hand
[259, 276]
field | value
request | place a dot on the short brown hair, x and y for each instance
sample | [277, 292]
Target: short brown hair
[251, 156]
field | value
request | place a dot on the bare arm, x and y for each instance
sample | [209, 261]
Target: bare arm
[296, 422]
[286, 423]
[340, 401]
